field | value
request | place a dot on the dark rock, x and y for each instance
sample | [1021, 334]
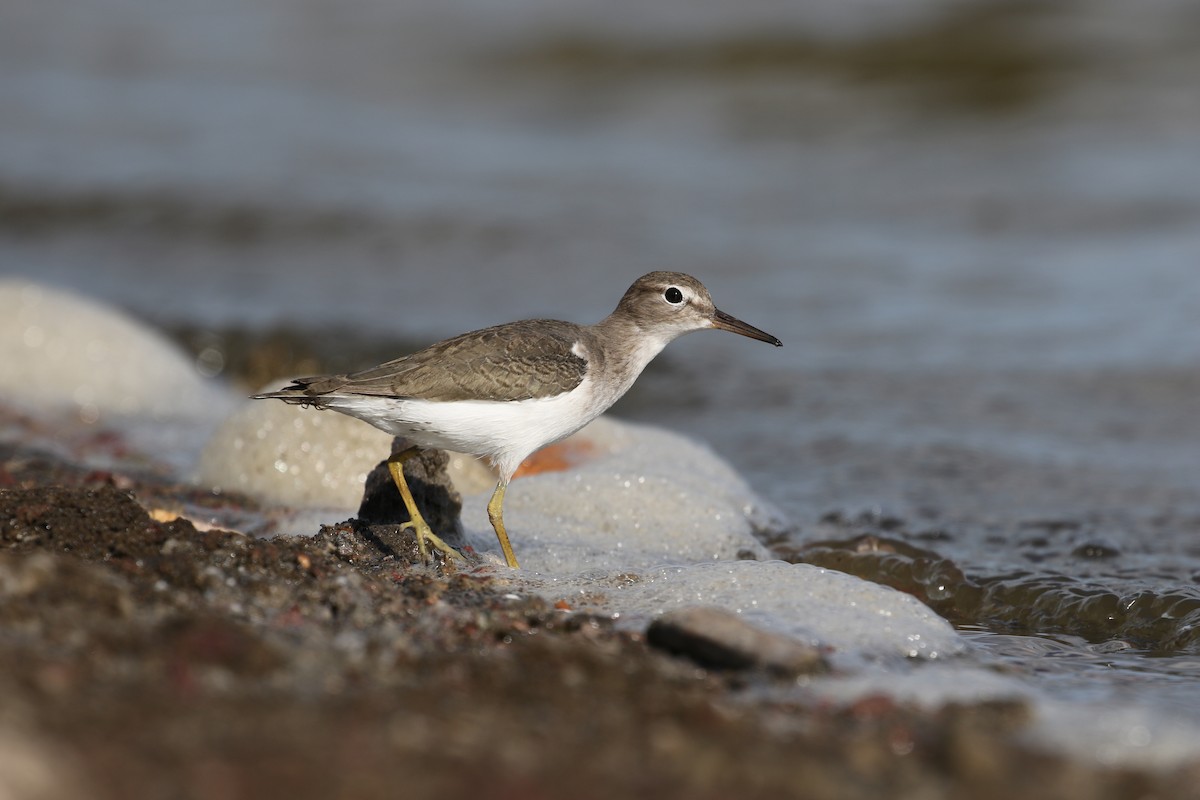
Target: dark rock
[435, 496]
[714, 637]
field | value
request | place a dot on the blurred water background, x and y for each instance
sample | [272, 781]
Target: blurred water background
[975, 226]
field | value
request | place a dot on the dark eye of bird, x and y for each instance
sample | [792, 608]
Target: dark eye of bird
[673, 296]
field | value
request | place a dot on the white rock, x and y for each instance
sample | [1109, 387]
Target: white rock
[855, 618]
[290, 456]
[305, 458]
[60, 351]
[644, 497]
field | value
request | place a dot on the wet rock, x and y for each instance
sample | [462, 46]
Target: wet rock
[434, 493]
[714, 637]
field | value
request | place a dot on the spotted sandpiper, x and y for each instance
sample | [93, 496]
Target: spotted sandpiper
[506, 392]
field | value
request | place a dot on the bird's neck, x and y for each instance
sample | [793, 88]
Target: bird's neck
[630, 346]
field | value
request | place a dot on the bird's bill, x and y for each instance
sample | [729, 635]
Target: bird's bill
[724, 322]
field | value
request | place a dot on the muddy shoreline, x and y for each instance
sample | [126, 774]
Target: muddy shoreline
[146, 658]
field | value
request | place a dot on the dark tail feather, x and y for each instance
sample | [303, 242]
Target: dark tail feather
[302, 391]
[297, 398]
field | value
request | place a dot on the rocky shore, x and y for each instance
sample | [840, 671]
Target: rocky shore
[146, 658]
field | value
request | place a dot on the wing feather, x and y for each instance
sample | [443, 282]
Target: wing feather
[516, 361]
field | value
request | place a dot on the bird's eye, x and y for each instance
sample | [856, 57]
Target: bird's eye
[673, 296]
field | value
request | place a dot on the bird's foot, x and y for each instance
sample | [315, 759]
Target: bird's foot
[418, 524]
[425, 534]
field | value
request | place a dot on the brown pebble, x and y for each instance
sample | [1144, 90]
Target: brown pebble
[715, 637]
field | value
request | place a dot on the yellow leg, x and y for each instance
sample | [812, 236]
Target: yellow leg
[418, 524]
[496, 515]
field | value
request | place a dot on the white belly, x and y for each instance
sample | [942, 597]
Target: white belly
[505, 432]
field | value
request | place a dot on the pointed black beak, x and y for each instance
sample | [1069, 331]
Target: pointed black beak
[724, 322]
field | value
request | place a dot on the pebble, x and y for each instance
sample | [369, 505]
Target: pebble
[719, 638]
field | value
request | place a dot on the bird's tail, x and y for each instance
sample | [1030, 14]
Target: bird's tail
[301, 391]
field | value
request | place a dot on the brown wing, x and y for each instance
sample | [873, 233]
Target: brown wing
[516, 361]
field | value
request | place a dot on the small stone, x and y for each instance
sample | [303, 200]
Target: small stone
[717, 638]
[434, 493]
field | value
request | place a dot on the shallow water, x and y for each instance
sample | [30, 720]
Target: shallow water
[982, 260]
